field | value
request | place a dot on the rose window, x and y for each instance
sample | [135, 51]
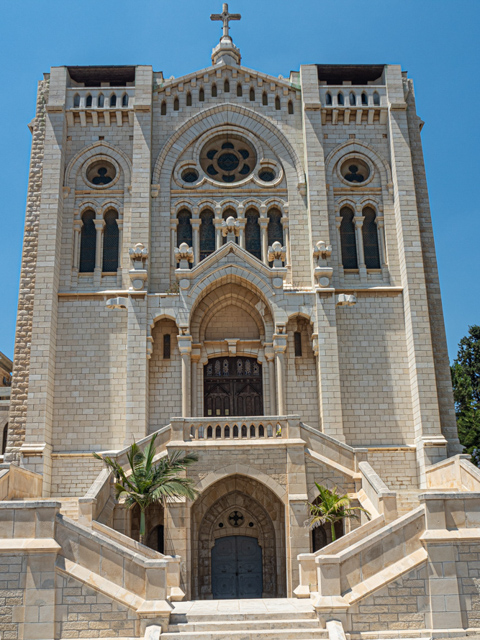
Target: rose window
[228, 159]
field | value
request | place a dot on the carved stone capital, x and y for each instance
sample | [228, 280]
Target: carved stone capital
[184, 255]
[346, 300]
[277, 254]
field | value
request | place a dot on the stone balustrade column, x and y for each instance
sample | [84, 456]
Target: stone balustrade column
[270, 358]
[241, 231]
[279, 347]
[358, 220]
[196, 222]
[263, 222]
[185, 348]
[218, 232]
[99, 225]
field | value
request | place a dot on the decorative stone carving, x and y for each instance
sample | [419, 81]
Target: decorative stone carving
[230, 228]
[277, 254]
[117, 303]
[323, 273]
[138, 273]
[184, 255]
[346, 299]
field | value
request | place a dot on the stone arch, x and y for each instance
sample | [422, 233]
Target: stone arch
[259, 506]
[99, 148]
[214, 117]
[356, 146]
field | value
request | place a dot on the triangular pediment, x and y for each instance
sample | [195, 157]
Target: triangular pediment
[220, 256]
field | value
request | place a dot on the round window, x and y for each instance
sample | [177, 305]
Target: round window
[228, 159]
[355, 171]
[101, 173]
[190, 175]
[267, 175]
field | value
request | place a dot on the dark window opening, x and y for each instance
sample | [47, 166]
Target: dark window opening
[252, 94]
[110, 242]
[253, 241]
[176, 104]
[277, 103]
[88, 242]
[184, 228]
[297, 338]
[207, 234]
[226, 86]
[370, 239]
[347, 237]
[166, 346]
[214, 90]
[88, 102]
[201, 95]
[4, 439]
[265, 99]
[189, 99]
[290, 107]
[239, 90]
[163, 109]
[125, 100]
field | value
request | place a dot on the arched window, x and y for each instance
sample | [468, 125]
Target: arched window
[166, 346]
[277, 103]
[110, 242]
[76, 100]
[290, 107]
[189, 99]
[239, 90]
[125, 100]
[88, 242]
[214, 90]
[88, 101]
[340, 99]
[207, 234]
[100, 100]
[370, 239]
[376, 99]
[275, 227]
[265, 98]
[229, 212]
[156, 539]
[184, 228]
[328, 98]
[4, 439]
[347, 237]
[252, 94]
[163, 108]
[113, 100]
[176, 104]
[297, 343]
[226, 86]
[364, 99]
[353, 99]
[253, 241]
[201, 95]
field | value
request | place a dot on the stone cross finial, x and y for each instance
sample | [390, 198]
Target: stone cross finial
[277, 254]
[184, 255]
[225, 17]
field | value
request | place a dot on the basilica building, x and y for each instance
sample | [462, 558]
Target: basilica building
[242, 266]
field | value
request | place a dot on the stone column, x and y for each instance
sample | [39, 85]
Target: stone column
[286, 240]
[218, 232]
[97, 274]
[173, 242]
[77, 231]
[185, 348]
[270, 358]
[195, 359]
[338, 222]
[279, 347]
[358, 220]
[263, 222]
[195, 222]
[241, 231]
[120, 253]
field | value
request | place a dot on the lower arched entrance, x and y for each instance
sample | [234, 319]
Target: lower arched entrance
[237, 568]
[238, 541]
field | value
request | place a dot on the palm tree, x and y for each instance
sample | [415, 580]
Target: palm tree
[330, 507]
[148, 483]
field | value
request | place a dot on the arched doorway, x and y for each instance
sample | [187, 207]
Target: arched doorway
[238, 541]
[233, 387]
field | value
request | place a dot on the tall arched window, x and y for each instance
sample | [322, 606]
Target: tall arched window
[110, 242]
[163, 108]
[189, 99]
[176, 104]
[347, 237]
[340, 99]
[125, 100]
[253, 242]
[184, 228]
[239, 90]
[275, 227]
[201, 95]
[88, 242]
[100, 100]
[229, 212]
[353, 99]
[364, 99]
[376, 99]
[252, 94]
[328, 98]
[290, 107]
[226, 86]
[370, 239]
[76, 100]
[88, 101]
[207, 234]
[4, 439]
[113, 100]
[277, 103]
[214, 90]
[265, 98]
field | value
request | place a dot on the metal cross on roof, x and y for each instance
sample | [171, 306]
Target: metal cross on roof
[225, 17]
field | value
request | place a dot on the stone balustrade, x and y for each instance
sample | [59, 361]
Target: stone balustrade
[100, 98]
[374, 96]
[236, 428]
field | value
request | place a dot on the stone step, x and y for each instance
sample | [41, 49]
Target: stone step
[249, 633]
[261, 624]
[235, 616]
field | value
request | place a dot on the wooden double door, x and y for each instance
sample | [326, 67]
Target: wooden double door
[237, 570]
[233, 387]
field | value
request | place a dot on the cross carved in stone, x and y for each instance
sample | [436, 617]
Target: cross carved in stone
[225, 17]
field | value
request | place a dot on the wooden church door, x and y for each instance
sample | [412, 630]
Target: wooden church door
[233, 387]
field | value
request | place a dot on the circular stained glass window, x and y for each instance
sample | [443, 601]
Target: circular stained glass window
[190, 175]
[355, 171]
[101, 173]
[267, 175]
[228, 158]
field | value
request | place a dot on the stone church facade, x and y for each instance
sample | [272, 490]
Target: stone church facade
[243, 265]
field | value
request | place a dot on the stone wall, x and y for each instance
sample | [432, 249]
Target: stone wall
[301, 378]
[12, 595]
[165, 377]
[73, 475]
[375, 381]
[397, 467]
[21, 361]
[468, 571]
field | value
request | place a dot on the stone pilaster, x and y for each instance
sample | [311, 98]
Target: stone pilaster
[38, 438]
[136, 414]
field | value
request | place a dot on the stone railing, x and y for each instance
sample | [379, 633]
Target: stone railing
[236, 428]
[17, 483]
[100, 98]
[456, 473]
[374, 96]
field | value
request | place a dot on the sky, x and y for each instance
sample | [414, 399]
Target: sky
[436, 41]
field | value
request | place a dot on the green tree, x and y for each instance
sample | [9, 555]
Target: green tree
[330, 507]
[147, 482]
[466, 389]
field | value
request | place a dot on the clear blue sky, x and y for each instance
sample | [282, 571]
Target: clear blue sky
[436, 41]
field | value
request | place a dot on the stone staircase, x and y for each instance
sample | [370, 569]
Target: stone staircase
[265, 619]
